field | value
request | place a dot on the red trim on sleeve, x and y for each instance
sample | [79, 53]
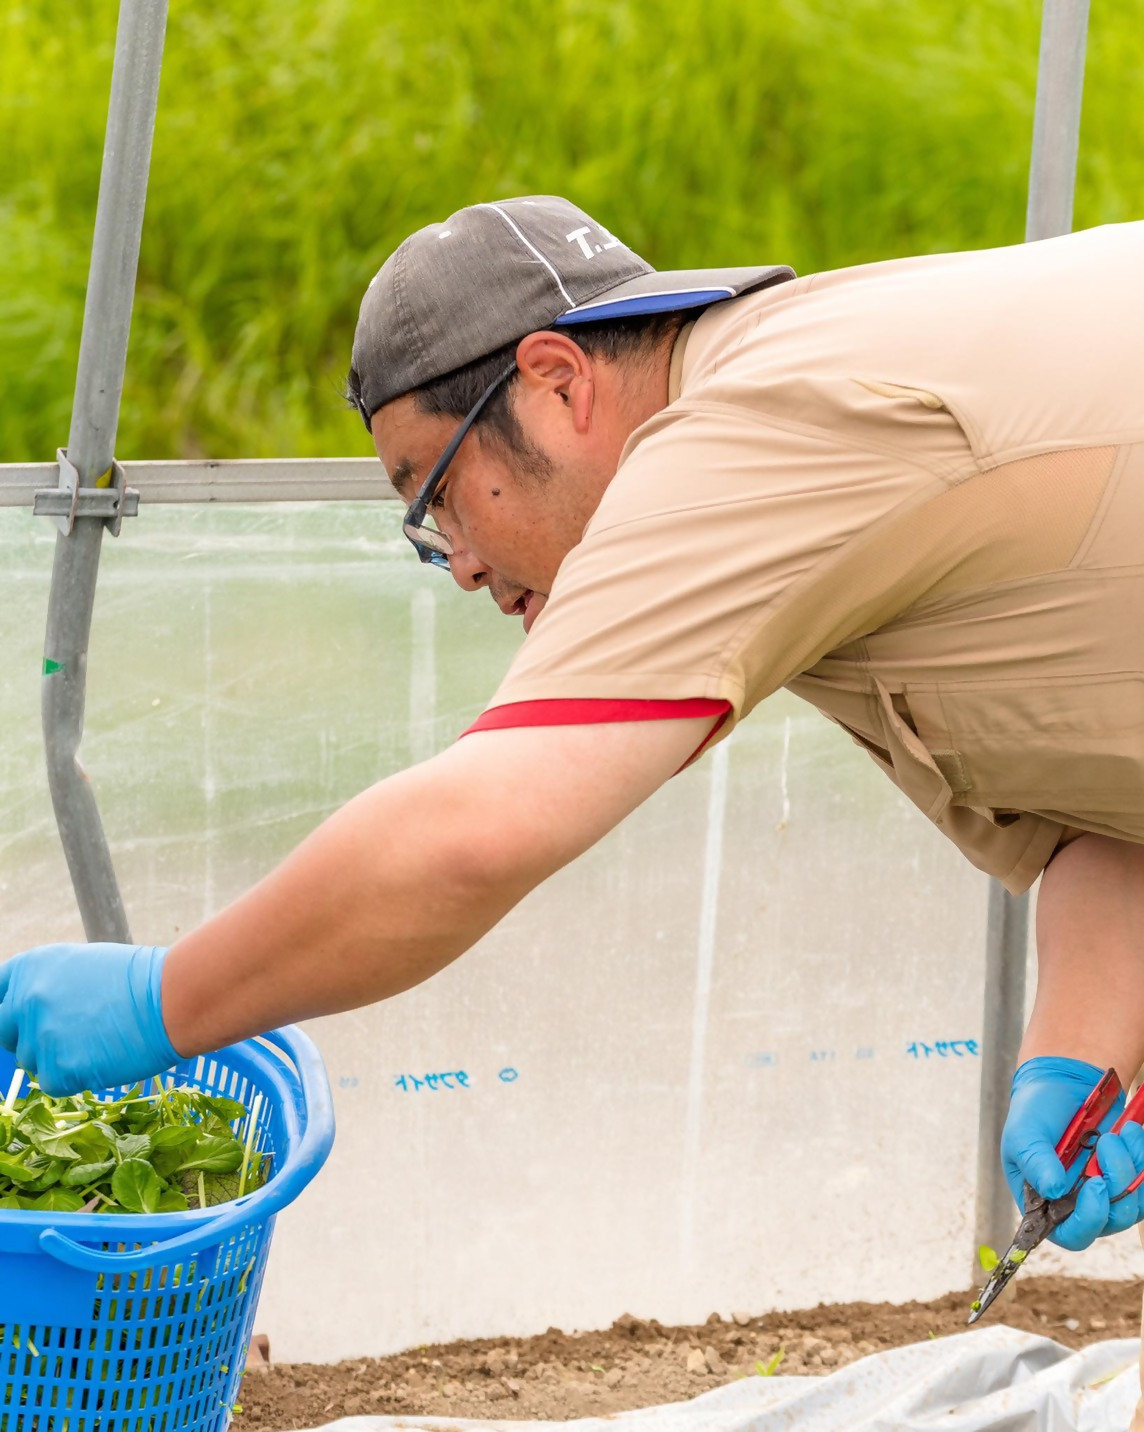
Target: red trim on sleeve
[599, 711]
[592, 712]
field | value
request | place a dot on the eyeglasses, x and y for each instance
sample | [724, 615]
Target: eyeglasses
[430, 544]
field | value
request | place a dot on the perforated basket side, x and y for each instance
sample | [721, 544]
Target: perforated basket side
[163, 1349]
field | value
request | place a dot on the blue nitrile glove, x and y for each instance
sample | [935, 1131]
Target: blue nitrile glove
[85, 1016]
[1047, 1092]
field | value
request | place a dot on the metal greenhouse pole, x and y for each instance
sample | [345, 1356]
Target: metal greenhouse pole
[1052, 178]
[91, 491]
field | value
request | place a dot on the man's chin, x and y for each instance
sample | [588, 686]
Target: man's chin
[533, 606]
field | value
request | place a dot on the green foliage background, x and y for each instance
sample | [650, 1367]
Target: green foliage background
[299, 141]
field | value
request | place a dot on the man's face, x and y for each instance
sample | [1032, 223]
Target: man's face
[512, 522]
[507, 533]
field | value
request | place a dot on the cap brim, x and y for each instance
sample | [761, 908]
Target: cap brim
[671, 292]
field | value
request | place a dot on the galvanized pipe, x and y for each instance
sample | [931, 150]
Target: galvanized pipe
[243, 479]
[1052, 179]
[91, 444]
[1006, 943]
[1056, 121]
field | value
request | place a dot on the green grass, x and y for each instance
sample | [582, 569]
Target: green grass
[299, 141]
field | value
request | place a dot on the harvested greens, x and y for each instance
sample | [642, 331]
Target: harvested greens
[162, 1152]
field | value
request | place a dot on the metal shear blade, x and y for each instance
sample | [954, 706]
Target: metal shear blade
[1041, 1217]
[997, 1282]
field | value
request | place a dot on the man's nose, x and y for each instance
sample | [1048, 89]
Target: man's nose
[467, 572]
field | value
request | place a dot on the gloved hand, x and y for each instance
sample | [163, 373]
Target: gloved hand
[1047, 1092]
[85, 1016]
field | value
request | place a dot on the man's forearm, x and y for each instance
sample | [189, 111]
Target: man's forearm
[1090, 953]
[411, 874]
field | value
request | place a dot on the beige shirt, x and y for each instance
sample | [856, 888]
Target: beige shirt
[913, 493]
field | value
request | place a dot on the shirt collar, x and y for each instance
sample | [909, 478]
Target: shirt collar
[675, 372]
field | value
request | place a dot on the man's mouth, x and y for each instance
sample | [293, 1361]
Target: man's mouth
[527, 605]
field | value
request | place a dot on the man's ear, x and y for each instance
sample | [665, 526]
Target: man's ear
[551, 365]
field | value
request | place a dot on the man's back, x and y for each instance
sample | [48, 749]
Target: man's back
[1029, 347]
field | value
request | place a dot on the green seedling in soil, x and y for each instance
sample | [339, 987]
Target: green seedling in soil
[162, 1152]
[770, 1368]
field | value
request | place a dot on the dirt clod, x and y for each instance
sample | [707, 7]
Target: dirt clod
[638, 1363]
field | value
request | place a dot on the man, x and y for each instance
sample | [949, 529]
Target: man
[913, 493]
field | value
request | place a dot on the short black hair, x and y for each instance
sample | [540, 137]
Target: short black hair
[630, 340]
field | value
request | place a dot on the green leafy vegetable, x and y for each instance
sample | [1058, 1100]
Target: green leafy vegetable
[132, 1146]
[59, 1200]
[214, 1154]
[226, 1110]
[174, 1136]
[137, 1186]
[56, 1145]
[14, 1171]
[160, 1152]
[80, 1175]
[45, 1172]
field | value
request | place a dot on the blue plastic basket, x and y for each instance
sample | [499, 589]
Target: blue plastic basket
[139, 1323]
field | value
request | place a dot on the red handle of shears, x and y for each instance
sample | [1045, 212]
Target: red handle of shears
[1087, 1120]
[1134, 1114]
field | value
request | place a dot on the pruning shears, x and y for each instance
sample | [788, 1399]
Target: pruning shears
[1043, 1215]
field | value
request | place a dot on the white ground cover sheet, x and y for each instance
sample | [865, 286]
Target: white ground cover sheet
[995, 1380]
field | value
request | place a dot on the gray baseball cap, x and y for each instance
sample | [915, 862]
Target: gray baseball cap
[456, 291]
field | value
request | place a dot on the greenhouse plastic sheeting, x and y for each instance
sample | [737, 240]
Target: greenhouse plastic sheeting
[998, 1379]
[594, 1112]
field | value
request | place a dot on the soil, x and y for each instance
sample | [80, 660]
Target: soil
[560, 1375]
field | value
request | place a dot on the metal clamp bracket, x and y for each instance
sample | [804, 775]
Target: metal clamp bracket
[111, 498]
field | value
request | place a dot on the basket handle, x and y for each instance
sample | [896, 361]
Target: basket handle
[300, 1167]
[96, 1260]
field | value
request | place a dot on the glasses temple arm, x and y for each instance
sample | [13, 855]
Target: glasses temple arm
[420, 504]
